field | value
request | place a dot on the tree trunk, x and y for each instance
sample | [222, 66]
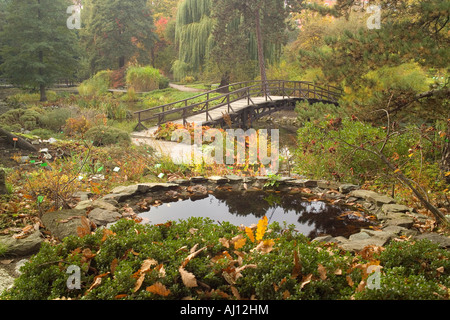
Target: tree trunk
[43, 93]
[260, 45]
[445, 160]
[121, 62]
[19, 142]
[224, 82]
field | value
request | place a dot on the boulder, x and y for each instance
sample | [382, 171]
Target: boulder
[218, 179]
[394, 208]
[441, 240]
[63, 223]
[372, 196]
[346, 187]
[22, 247]
[322, 184]
[102, 217]
[102, 204]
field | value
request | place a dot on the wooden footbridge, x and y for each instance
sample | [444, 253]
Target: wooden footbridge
[238, 104]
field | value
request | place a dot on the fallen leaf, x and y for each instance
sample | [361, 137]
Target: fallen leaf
[322, 272]
[188, 278]
[145, 267]
[286, 294]
[349, 281]
[106, 234]
[191, 256]
[97, 282]
[114, 264]
[306, 280]
[235, 292]
[225, 242]
[265, 246]
[159, 289]
[120, 296]
[297, 266]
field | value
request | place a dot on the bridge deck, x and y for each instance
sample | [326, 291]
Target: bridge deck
[215, 114]
[260, 98]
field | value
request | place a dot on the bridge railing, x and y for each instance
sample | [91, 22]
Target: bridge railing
[206, 102]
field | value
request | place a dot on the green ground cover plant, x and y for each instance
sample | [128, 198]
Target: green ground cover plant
[199, 259]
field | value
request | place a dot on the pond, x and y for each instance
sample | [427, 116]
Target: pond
[310, 217]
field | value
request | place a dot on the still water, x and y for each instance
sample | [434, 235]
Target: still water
[311, 218]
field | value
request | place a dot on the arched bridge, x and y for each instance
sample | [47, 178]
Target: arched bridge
[238, 104]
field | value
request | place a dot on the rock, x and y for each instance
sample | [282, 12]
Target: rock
[372, 196]
[198, 179]
[395, 208]
[346, 187]
[181, 182]
[6, 281]
[22, 247]
[233, 178]
[3, 189]
[63, 223]
[126, 190]
[366, 237]
[326, 238]
[327, 184]
[401, 221]
[147, 187]
[19, 265]
[400, 231]
[218, 179]
[102, 217]
[305, 183]
[102, 204]
[82, 195]
[442, 241]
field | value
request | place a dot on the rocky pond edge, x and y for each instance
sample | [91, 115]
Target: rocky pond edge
[395, 220]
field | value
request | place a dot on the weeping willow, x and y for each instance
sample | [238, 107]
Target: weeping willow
[195, 40]
[193, 35]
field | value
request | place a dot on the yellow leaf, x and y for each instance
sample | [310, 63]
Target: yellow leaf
[398, 170]
[261, 228]
[249, 233]
[239, 243]
[447, 174]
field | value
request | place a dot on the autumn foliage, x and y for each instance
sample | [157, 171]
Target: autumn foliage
[198, 259]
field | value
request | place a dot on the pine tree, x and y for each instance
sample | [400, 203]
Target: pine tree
[117, 32]
[37, 47]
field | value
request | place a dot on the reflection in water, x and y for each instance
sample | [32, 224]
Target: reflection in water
[311, 218]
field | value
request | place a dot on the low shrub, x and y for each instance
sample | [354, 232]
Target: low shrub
[27, 119]
[199, 259]
[143, 79]
[55, 120]
[97, 85]
[105, 135]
